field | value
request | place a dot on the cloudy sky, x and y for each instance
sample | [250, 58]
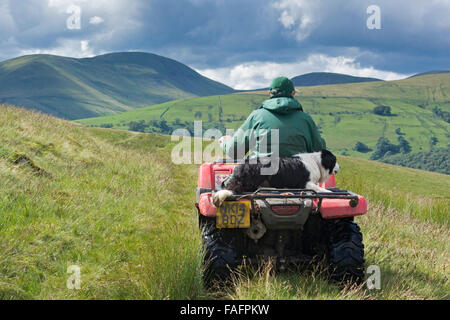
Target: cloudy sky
[243, 43]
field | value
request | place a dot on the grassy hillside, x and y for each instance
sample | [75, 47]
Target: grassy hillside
[431, 72]
[113, 203]
[108, 84]
[344, 113]
[324, 78]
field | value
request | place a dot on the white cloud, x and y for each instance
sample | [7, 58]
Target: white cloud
[6, 20]
[85, 47]
[96, 20]
[256, 75]
[286, 19]
[350, 66]
[299, 16]
[66, 48]
[62, 5]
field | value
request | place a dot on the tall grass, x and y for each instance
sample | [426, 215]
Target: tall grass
[416, 193]
[109, 203]
[412, 256]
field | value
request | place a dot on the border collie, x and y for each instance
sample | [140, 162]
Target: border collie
[302, 171]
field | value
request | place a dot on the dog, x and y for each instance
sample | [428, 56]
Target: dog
[302, 171]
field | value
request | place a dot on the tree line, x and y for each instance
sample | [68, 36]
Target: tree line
[436, 160]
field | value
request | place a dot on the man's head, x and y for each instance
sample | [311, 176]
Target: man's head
[282, 87]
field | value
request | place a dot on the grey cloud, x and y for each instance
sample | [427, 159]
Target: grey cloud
[217, 33]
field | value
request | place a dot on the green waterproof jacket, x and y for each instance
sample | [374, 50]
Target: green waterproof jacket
[297, 132]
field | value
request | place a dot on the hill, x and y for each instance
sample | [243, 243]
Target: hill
[108, 84]
[113, 203]
[430, 72]
[419, 112]
[324, 78]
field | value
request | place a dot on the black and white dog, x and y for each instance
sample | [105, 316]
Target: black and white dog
[302, 171]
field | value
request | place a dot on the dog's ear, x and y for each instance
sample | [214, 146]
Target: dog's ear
[328, 160]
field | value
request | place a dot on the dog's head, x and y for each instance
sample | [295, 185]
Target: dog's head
[329, 162]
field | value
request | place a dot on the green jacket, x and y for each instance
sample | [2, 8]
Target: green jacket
[297, 131]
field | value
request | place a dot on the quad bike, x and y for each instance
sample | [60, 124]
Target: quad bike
[291, 226]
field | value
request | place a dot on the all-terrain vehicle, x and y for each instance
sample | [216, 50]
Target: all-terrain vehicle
[291, 226]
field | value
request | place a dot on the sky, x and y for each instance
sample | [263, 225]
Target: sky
[242, 43]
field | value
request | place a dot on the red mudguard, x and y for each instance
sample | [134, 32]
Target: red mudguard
[340, 208]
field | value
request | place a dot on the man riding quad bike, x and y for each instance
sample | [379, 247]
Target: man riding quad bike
[292, 226]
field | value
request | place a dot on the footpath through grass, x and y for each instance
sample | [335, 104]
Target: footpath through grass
[113, 203]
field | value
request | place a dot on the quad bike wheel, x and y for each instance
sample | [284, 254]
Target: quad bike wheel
[221, 256]
[345, 251]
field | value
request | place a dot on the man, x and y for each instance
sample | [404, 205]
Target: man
[297, 132]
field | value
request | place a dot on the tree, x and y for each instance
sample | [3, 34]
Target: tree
[164, 127]
[198, 114]
[444, 115]
[399, 132]
[382, 147]
[138, 126]
[336, 120]
[361, 147]
[382, 111]
[433, 141]
[404, 145]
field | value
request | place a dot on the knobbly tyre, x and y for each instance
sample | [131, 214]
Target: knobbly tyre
[292, 226]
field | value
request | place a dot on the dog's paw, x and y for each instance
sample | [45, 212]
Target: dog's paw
[316, 188]
[220, 196]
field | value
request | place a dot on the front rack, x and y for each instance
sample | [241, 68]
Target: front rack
[273, 193]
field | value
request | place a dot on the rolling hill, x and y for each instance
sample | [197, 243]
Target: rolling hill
[430, 72]
[344, 113]
[324, 78]
[108, 84]
[113, 203]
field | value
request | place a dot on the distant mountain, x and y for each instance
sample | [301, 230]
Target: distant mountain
[430, 73]
[104, 85]
[324, 78]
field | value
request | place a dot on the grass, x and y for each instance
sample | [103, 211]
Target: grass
[113, 203]
[411, 254]
[418, 194]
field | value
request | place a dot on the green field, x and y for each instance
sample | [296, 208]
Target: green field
[113, 203]
[343, 112]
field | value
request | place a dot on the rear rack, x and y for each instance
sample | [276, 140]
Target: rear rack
[273, 193]
[229, 161]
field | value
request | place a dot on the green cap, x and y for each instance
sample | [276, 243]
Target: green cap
[281, 87]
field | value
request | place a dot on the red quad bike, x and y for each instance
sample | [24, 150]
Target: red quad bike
[292, 226]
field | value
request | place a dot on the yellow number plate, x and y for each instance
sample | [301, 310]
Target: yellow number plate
[233, 214]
